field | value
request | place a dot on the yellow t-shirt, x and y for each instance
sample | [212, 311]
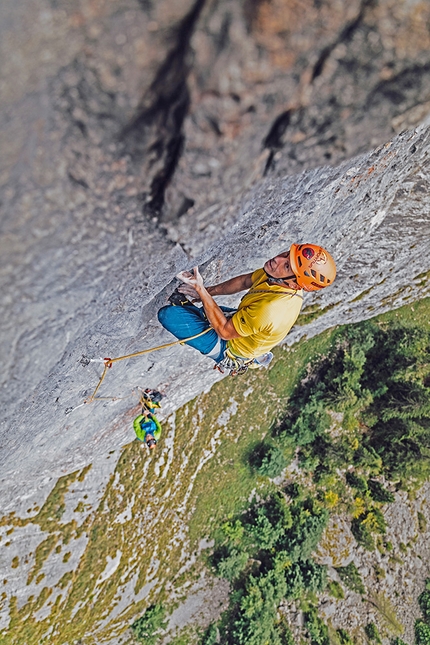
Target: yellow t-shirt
[264, 317]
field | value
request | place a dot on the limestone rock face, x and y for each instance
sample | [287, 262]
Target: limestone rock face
[142, 138]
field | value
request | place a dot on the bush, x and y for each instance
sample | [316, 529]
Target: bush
[372, 633]
[357, 482]
[424, 602]
[422, 633]
[268, 522]
[308, 523]
[233, 530]
[335, 589]
[312, 422]
[282, 536]
[268, 460]
[317, 629]
[363, 535]
[232, 565]
[255, 620]
[368, 459]
[351, 578]
[146, 628]
[344, 637]
[210, 636]
[364, 528]
[376, 377]
[400, 432]
[380, 494]
[305, 574]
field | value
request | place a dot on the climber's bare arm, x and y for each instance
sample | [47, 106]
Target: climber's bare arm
[223, 326]
[234, 285]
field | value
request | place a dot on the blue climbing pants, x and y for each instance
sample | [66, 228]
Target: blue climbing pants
[184, 322]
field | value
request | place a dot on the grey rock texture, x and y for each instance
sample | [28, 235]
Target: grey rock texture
[369, 211]
[141, 138]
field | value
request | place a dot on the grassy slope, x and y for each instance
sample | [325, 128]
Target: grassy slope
[171, 508]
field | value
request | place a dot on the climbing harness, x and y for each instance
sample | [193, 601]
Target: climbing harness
[233, 364]
[108, 362]
[150, 399]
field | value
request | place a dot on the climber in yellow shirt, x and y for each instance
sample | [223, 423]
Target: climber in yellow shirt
[243, 338]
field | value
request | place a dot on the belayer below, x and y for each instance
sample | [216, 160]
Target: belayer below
[146, 426]
[241, 339]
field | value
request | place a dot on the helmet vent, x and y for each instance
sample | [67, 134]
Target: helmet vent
[299, 261]
[322, 277]
[307, 274]
[314, 273]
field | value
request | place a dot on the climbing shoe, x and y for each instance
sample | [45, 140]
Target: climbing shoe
[178, 299]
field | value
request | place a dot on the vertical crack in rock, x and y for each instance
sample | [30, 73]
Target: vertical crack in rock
[157, 130]
[345, 34]
[274, 139]
[357, 93]
[403, 89]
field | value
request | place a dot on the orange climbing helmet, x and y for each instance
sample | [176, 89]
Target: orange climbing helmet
[312, 265]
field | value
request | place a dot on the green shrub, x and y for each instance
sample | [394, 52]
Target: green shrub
[376, 377]
[380, 494]
[312, 422]
[372, 633]
[351, 578]
[422, 633]
[317, 629]
[424, 602]
[269, 522]
[268, 460]
[367, 458]
[146, 628]
[422, 522]
[400, 432]
[210, 636]
[285, 636]
[335, 589]
[357, 482]
[232, 565]
[255, 620]
[370, 523]
[308, 522]
[233, 530]
[305, 574]
[363, 535]
[344, 637]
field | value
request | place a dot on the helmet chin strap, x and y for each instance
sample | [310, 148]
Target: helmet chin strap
[280, 280]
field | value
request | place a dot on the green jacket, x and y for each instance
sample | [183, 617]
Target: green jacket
[147, 424]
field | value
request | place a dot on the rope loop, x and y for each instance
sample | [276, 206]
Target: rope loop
[108, 362]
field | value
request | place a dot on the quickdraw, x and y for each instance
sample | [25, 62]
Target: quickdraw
[108, 362]
[233, 364]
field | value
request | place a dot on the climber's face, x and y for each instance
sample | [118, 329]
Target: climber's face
[279, 267]
[150, 441]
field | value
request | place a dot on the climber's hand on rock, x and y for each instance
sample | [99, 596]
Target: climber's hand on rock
[193, 279]
[189, 291]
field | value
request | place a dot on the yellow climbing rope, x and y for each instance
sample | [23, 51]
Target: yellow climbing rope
[110, 361]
